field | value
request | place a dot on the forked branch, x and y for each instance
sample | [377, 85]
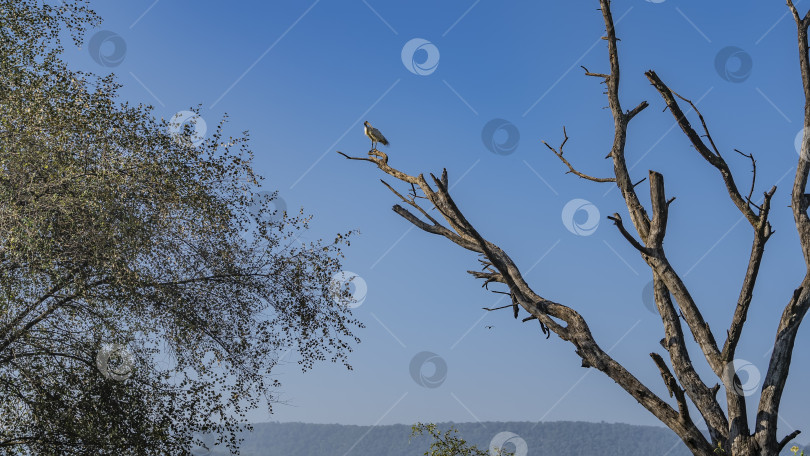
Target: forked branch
[710, 155]
[559, 154]
[573, 328]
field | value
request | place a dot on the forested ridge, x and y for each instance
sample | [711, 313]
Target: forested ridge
[561, 438]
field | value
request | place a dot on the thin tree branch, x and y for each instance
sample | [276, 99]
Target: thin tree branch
[704, 398]
[761, 235]
[713, 157]
[787, 440]
[571, 169]
[497, 308]
[411, 202]
[617, 220]
[753, 173]
[672, 386]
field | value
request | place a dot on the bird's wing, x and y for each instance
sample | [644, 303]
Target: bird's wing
[380, 137]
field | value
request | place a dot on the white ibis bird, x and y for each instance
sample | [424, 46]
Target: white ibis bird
[374, 135]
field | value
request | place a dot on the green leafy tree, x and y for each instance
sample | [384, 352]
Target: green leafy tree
[450, 443]
[145, 292]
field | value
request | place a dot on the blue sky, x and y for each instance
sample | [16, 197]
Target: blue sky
[303, 76]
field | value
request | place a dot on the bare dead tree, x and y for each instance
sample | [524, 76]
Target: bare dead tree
[729, 432]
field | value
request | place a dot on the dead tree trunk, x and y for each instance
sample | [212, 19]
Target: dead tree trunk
[729, 432]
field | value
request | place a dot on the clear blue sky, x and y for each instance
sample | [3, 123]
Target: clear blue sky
[302, 76]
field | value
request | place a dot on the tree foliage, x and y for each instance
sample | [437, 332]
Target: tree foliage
[449, 443]
[145, 291]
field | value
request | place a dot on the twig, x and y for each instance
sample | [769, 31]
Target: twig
[754, 171]
[571, 167]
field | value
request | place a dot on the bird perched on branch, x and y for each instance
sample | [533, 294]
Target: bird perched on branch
[374, 135]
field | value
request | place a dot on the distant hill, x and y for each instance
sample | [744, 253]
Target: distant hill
[549, 438]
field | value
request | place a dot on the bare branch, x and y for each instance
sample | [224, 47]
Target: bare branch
[713, 157]
[632, 113]
[412, 202]
[704, 398]
[787, 440]
[639, 182]
[381, 160]
[778, 368]
[617, 220]
[489, 278]
[753, 171]
[796, 309]
[621, 119]
[570, 167]
[598, 75]
[761, 235]
[497, 308]
[672, 386]
[802, 21]
[658, 225]
[798, 202]
[436, 229]
[544, 310]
